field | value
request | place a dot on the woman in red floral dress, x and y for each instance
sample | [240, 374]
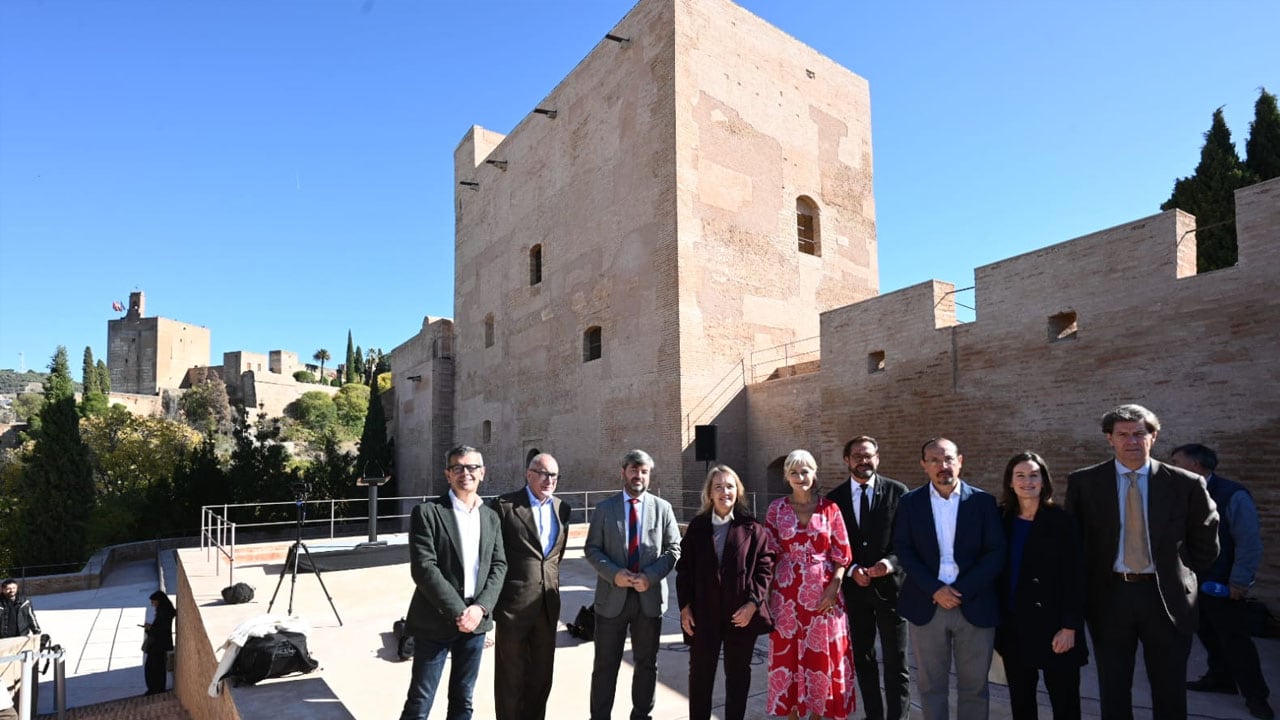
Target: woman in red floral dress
[810, 659]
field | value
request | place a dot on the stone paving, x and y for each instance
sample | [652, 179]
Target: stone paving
[358, 662]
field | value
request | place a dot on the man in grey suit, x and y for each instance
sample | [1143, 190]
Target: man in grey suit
[535, 530]
[633, 544]
[458, 564]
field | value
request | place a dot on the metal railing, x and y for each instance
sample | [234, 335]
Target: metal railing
[218, 533]
[30, 659]
[764, 363]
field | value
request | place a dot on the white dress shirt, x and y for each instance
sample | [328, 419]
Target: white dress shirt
[469, 534]
[945, 511]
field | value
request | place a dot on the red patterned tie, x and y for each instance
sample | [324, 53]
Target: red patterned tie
[633, 536]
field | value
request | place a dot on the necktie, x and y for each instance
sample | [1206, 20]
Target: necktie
[1137, 555]
[633, 536]
[864, 505]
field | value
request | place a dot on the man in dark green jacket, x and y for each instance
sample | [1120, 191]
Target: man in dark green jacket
[458, 565]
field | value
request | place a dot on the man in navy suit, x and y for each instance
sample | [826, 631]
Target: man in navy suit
[950, 541]
[633, 543]
[1148, 528]
[868, 502]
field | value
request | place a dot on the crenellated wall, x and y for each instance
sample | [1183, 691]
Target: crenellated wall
[1198, 350]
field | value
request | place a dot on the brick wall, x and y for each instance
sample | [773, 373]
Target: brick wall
[1198, 350]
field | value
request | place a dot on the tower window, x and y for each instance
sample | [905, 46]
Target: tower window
[535, 265]
[808, 231]
[486, 432]
[591, 344]
[1063, 326]
[488, 330]
[875, 361]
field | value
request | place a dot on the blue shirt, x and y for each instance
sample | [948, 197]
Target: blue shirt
[544, 516]
[1122, 488]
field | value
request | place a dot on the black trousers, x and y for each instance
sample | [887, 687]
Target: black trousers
[611, 634]
[1061, 679]
[1135, 613]
[1233, 658]
[156, 671]
[524, 663]
[870, 614]
[703, 654]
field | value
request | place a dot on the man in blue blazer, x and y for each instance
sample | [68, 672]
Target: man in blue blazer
[633, 543]
[950, 542]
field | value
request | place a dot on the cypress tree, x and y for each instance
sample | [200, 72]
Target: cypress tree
[1209, 194]
[375, 450]
[58, 480]
[104, 378]
[88, 374]
[350, 374]
[1263, 146]
[93, 399]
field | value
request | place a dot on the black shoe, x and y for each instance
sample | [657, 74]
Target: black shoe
[1208, 684]
[1259, 708]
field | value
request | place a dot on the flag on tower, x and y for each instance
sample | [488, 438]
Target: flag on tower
[117, 306]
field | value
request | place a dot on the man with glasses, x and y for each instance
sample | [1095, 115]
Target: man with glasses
[535, 531]
[458, 565]
[1148, 528]
[633, 544]
[951, 543]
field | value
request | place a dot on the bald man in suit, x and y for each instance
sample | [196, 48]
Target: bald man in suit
[535, 531]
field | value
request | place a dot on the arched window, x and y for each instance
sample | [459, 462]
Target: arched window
[529, 456]
[488, 330]
[808, 228]
[535, 265]
[591, 344]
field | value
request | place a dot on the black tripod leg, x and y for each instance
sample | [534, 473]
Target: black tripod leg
[316, 570]
[283, 569]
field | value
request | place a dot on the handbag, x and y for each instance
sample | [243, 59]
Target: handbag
[584, 625]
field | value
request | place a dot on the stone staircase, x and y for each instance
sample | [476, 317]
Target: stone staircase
[164, 706]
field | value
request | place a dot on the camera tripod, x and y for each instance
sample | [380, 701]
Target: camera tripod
[292, 559]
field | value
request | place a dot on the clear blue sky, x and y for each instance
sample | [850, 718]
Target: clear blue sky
[280, 171]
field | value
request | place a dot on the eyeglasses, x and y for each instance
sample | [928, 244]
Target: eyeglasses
[545, 474]
[455, 469]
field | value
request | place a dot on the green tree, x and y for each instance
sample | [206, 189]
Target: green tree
[350, 370]
[314, 411]
[259, 470]
[322, 356]
[376, 452]
[57, 485]
[1209, 194]
[352, 404]
[133, 452]
[359, 365]
[1262, 149]
[304, 376]
[93, 399]
[199, 480]
[27, 406]
[205, 406]
[104, 377]
[332, 475]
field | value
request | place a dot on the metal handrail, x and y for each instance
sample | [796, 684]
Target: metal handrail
[31, 658]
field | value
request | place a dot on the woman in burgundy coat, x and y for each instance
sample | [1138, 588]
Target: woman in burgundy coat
[722, 586]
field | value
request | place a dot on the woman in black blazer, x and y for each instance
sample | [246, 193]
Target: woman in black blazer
[1041, 593]
[722, 585]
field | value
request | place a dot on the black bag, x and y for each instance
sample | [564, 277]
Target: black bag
[274, 655]
[404, 643]
[584, 625]
[236, 594]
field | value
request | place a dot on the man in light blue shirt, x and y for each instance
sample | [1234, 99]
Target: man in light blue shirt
[535, 531]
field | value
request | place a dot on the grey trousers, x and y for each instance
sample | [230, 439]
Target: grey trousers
[950, 636]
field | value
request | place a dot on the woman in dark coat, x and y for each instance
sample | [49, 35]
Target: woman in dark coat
[159, 642]
[722, 585]
[1041, 592]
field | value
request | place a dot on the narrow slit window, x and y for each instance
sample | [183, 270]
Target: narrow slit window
[488, 330]
[591, 344]
[535, 265]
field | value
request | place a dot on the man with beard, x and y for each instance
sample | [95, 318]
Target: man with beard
[16, 616]
[869, 501]
[951, 543]
[633, 544]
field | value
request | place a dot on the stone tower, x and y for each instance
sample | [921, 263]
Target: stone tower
[148, 354]
[698, 188]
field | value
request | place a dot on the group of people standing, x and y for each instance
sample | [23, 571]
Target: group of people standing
[824, 576]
